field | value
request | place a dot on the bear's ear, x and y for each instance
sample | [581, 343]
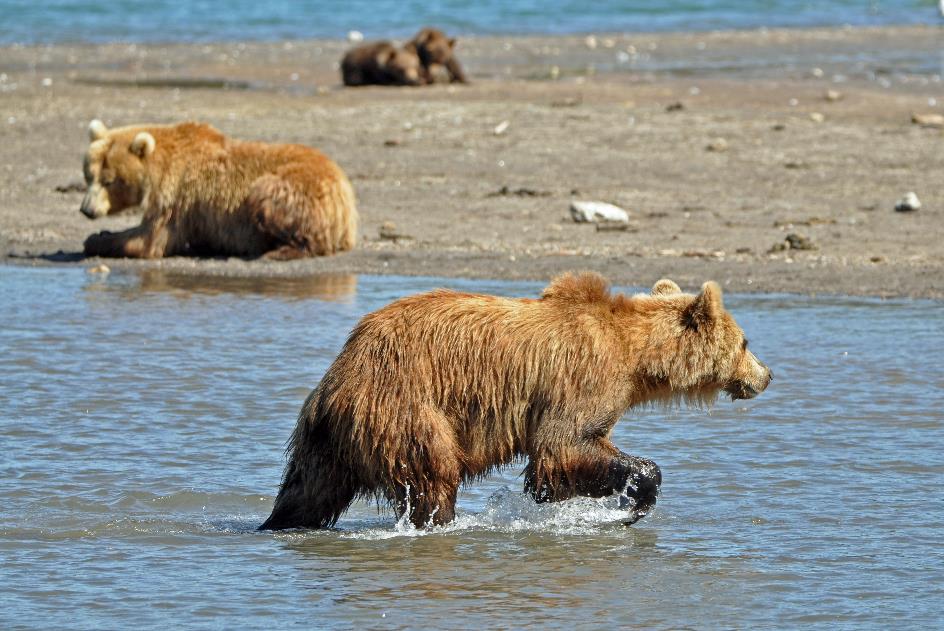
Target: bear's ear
[143, 145]
[97, 130]
[705, 308]
[665, 287]
[452, 42]
[423, 36]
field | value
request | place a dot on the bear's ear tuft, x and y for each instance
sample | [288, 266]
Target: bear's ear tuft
[706, 307]
[97, 130]
[665, 287]
[143, 145]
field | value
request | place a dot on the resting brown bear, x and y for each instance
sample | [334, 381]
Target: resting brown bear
[203, 193]
[436, 50]
[436, 389]
[381, 63]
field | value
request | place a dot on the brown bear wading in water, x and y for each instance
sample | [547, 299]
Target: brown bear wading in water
[205, 194]
[381, 63]
[436, 50]
[439, 388]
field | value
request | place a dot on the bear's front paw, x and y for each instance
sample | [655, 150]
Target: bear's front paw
[97, 244]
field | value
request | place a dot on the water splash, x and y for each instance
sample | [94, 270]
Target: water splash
[514, 511]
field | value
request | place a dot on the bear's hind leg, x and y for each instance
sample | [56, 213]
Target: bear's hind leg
[432, 504]
[284, 214]
[425, 479]
[313, 498]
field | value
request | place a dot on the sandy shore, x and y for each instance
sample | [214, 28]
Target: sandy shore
[587, 119]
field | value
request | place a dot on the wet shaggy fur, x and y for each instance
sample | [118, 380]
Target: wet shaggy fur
[381, 63]
[440, 388]
[205, 194]
[435, 50]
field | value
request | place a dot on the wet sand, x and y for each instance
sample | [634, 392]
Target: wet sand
[587, 119]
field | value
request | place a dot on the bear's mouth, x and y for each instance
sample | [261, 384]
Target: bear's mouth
[741, 390]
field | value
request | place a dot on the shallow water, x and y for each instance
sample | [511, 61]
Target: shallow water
[144, 418]
[54, 21]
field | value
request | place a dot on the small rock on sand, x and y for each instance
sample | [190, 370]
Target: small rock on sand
[832, 95]
[793, 241]
[98, 269]
[928, 120]
[717, 145]
[388, 232]
[799, 242]
[592, 212]
[501, 128]
[355, 36]
[908, 203]
[72, 187]
[816, 117]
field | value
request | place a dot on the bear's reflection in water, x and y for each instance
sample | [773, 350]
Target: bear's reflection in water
[334, 287]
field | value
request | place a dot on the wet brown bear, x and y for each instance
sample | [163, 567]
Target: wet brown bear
[439, 388]
[205, 194]
[436, 50]
[381, 63]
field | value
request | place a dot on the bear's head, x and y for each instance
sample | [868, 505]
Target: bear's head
[403, 65]
[433, 46]
[115, 169]
[695, 349]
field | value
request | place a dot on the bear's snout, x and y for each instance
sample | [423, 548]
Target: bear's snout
[95, 203]
[751, 378]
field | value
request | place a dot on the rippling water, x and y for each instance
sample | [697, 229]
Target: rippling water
[27, 21]
[144, 417]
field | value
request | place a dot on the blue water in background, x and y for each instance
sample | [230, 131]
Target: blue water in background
[52, 21]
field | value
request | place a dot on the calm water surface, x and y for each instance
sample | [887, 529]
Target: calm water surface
[144, 417]
[49, 21]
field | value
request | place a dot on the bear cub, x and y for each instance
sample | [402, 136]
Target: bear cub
[438, 389]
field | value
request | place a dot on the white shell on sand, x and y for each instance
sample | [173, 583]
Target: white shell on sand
[355, 36]
[908, 203]
[928, 120]
[588, 212]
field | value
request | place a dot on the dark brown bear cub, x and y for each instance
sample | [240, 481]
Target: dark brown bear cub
[437, 389]
[381, 63]
[435, 51]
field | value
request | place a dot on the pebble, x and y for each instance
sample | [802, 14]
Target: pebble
[388, 232]
[591, 212]
[908, 203]
[832, 95]
[99, 269]
[816, 117]
[799, 242]
[793, 241]
[355, 36]
[717, 145]
[501, 128]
